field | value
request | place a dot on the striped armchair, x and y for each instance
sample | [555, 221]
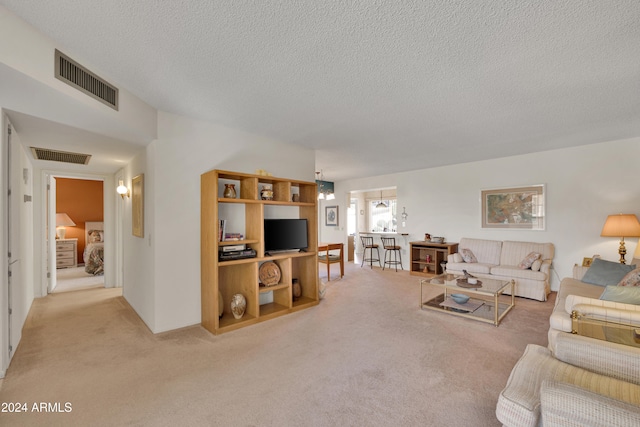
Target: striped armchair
[587, 382]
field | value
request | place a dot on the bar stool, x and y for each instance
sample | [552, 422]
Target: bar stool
[389, 245]
[367, 243]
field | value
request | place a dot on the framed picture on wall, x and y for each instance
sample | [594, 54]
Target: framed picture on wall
[331, 216]
[516, 208]
[137, 205]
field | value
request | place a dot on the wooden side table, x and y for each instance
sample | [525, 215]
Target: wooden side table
[428, 256]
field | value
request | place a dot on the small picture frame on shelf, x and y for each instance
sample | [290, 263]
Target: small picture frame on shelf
[586, 262]
[331, 216]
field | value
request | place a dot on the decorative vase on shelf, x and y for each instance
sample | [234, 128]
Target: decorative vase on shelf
[238, 305]
[229, 191]
[296, 290]
[267, 192]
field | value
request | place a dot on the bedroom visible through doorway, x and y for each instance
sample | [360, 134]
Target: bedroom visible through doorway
[80, 254]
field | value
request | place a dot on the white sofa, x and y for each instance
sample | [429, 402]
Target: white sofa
[499, 260]
[577, 380]
[585, 382]
[575, 295]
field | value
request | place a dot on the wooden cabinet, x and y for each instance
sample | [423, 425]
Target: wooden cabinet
[426, 257]
[66, 253]
[245, 216]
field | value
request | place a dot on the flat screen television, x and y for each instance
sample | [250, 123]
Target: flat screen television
[285, 235]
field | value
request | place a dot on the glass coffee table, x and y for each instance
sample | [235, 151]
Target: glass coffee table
[484, 303]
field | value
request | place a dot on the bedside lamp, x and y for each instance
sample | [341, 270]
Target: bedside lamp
[62, 221]
[621, 225]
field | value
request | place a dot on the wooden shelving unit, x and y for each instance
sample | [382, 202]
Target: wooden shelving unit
[428, 256]
[241, 276]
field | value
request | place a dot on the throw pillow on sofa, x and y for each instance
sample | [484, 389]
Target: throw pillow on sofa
[468, 256]
[604, 273]
[625, 294]
[631, 279]
[528, 261]
[536, 265]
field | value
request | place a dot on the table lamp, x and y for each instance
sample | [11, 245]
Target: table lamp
[62, 221]
[621, 225]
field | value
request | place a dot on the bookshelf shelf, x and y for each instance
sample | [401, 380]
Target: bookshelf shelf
[247, 212]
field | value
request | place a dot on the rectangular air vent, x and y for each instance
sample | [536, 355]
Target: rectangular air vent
[60, 156]
[74, 74]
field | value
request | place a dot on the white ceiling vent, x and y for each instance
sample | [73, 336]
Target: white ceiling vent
[74, 74]
[60, 156]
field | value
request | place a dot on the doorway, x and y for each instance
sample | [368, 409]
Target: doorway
[78, 211]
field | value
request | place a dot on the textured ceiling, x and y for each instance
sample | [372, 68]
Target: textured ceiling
[373, 86]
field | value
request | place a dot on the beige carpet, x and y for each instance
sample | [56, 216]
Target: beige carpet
[73, 279]
[367, 355]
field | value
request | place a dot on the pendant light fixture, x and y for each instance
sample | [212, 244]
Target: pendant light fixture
[322, 192]
[381, 204]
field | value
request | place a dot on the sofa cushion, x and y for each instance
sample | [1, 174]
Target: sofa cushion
[513, 252]
[536, 265]
[485, 251]
[572, 301]
[632, 278]
[474, 267]
[515, 272]
[567, 405]
[605, 273]
[468, 256]
[528, 261]
[560, 319]
[625, 294]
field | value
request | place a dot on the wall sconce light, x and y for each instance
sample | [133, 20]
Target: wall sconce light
[122, 189]
[404, 215]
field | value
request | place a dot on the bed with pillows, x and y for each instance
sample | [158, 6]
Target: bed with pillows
[94, 248]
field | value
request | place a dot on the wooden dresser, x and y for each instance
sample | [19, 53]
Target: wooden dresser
[66, 253]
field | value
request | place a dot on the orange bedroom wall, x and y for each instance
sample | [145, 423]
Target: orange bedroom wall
[83, 201]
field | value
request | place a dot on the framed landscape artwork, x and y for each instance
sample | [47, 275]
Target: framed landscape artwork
[331, 216]
[515, 208]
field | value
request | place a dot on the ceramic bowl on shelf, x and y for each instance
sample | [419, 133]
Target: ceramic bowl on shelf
[437, 240]
[460, 298]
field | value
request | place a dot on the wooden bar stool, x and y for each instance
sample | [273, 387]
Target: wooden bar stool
[390, 247]
[367, 243]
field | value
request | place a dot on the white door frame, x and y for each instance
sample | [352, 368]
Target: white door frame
[113, 239]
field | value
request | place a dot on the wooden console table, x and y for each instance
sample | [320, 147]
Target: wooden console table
[426, 257]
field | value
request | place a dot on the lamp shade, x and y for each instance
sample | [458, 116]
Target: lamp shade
[63, 220]
[621, 225]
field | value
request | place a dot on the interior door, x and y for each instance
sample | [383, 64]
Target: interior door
[51, 233]
[11, 254]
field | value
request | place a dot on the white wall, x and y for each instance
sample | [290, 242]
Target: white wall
[169, 268]
[27, 65]
[138, 253]
[583, 186]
